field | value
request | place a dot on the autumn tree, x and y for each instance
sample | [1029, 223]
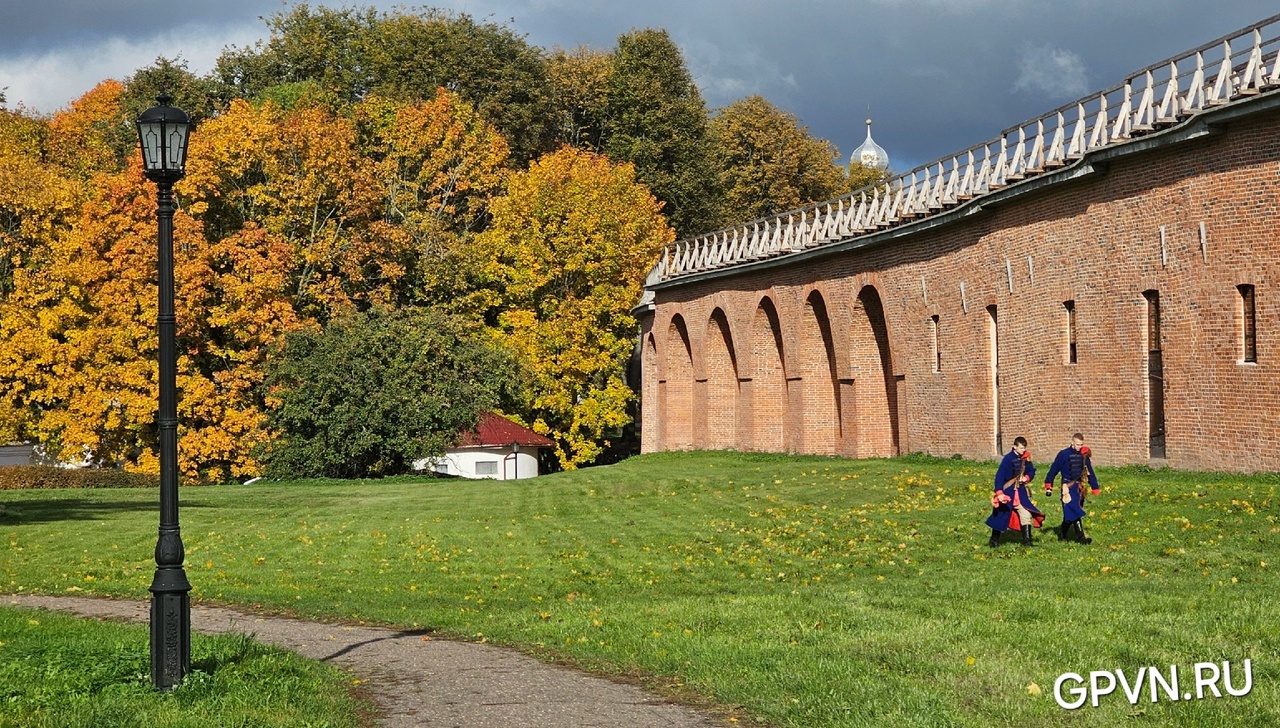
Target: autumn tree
[565, 257]
[77, 369]
[768, 162]
[578, 80]
[403, 55]
[325, 45]
[438, 163]
[656, 120]
[235, 306]
[46, 166]
[79, 329]
[80, 353]
[300, 176]
[38, 202]
[372, 204]
[76, 330]
[35, 195]
[85, 139]
[858, 175]
[377, 390]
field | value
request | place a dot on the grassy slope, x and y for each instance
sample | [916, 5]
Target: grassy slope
[809, 591]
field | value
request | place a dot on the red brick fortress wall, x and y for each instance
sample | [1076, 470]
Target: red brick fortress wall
[835, 354]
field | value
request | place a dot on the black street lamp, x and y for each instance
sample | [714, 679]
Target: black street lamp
[162, 130]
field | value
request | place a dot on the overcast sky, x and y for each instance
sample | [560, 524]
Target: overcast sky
[937, 76]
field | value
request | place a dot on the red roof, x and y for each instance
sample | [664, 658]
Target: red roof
[494, 430]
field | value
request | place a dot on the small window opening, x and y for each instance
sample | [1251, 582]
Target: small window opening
[1070, 306]
[1248, 320]
[1153, 320]
[937, 349]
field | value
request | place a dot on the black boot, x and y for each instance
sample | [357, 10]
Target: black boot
[995, 539]
[1064, 531]
[1026, 535]
[1080, 537]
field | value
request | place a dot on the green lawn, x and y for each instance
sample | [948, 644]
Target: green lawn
[62, 672]
[805, 591]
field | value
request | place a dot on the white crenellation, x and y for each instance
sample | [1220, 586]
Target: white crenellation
[1123, 125]
[1195, 90]
[1171, 105]
[1144, 120]
[1222, 85]
[949, 193]
[1017, 168]
[1036, 160]
[1025, 151]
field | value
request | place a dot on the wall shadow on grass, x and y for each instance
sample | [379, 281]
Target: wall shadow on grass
[74, 509]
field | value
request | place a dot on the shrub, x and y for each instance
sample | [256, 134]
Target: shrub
[376, 391]
[24, 477]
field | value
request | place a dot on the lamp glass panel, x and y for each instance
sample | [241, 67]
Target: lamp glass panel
[176, 148]
[152, 149]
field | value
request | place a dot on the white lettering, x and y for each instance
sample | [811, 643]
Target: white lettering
[1072, 691]
[1170, 688]
[1201, 683]
[1099, 692]
[1131, 692]
[1080, 692]
[1248, 679]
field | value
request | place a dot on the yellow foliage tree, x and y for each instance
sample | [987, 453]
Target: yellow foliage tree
[369, 202]
[37, 203]
[769, 163]
[76, 330]
[78, 313]
[578, 80]
[287, 218]
[80, 336]
[438, 163]
[81, 137]
[300, 176]
[233, 308]
[565, 257]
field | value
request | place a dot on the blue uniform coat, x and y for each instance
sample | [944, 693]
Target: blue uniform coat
[1004, 517]
[1071, 465]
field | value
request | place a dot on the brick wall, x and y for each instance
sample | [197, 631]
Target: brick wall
[676, 388]
[721, 429]
[835, 354]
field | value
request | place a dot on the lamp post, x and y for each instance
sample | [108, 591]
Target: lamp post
[515, 450]
[162, 131]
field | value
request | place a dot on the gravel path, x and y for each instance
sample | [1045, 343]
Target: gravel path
[418, 680]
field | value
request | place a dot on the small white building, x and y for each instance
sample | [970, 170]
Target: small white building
[498, 448]
[34, 453]
[17, 453]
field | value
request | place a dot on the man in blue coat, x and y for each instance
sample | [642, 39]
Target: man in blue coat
[1011, 506]
[1074, 466]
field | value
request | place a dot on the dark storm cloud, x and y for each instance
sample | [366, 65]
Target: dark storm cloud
[936, 75]
[37, 27]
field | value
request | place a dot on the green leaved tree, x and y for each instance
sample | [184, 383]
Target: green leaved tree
[656, 120]
[377, 390]
[405, 54]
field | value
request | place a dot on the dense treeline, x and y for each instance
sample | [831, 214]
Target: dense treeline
[359, 162]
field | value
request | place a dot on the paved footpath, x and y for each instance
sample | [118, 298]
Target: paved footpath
[418, 680]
